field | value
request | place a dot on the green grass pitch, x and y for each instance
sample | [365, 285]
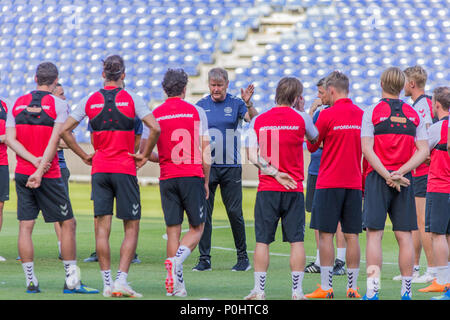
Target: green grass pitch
[148, 277]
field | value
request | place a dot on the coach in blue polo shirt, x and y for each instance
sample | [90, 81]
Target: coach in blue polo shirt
[225, 114]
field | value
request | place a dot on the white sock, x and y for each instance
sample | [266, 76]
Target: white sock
[182, 253]
[317, 262]
[106, 275]
[121, 277]
[431, 271]
[326, 276]
[341, 253]
[28, 269]
[373, 286]
[260, 281]
[179, 270]
[352, 278]
[441, 274]
[297, 280]
[448, 272]
[67, 264]
[406, 286]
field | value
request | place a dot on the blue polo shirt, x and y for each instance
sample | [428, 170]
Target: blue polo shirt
[225, 128]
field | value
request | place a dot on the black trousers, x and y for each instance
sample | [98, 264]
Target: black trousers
[230, 181]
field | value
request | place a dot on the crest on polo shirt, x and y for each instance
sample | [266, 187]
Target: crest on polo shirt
[228, 111]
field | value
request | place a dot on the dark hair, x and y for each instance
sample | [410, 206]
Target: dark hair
[46, 74]
[113, 67]
[288, 89]
[175, 80]
[338, 80]
[321, 82]
[442, 95]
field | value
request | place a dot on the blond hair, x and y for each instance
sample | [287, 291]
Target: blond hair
[393, 80]
[418, 74]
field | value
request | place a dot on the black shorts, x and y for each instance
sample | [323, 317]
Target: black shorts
[420, 186]
[123, 187]
[270, 207]
[4, 183]
[380, 199]
[335, 205]
[437, 213]
[310, 189]
[50, 198]
[183, 194]
[65, 175]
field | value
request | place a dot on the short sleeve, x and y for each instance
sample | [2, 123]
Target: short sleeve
[434, 134]
[140, 107]
[145, 132]
[311, 131]
[10, 120]
[242, 109]
[252, 138]
[62, 110]
[367, 127]
[424, 111]
[203, 121]
[421, 131]
[79, 113]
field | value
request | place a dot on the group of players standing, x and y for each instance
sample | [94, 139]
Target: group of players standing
[196, 155]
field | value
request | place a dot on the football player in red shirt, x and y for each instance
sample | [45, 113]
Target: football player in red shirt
[437, 215]
[32, 131]
[111, 112]
[394, 142]
[276, 147]
[185, 158]
[338, 196]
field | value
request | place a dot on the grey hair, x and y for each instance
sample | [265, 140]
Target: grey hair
[218, 74]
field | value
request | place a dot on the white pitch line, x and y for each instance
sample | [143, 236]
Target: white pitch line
[270, 253]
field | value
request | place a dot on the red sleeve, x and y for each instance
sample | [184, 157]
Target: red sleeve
[322, 126]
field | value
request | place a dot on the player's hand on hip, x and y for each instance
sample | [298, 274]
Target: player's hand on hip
[286, 180]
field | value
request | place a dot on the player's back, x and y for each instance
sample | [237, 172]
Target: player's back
[111, 114]
[178, 145]
[395, 123]
[280, 133]
[340, 128]
[34, 117]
